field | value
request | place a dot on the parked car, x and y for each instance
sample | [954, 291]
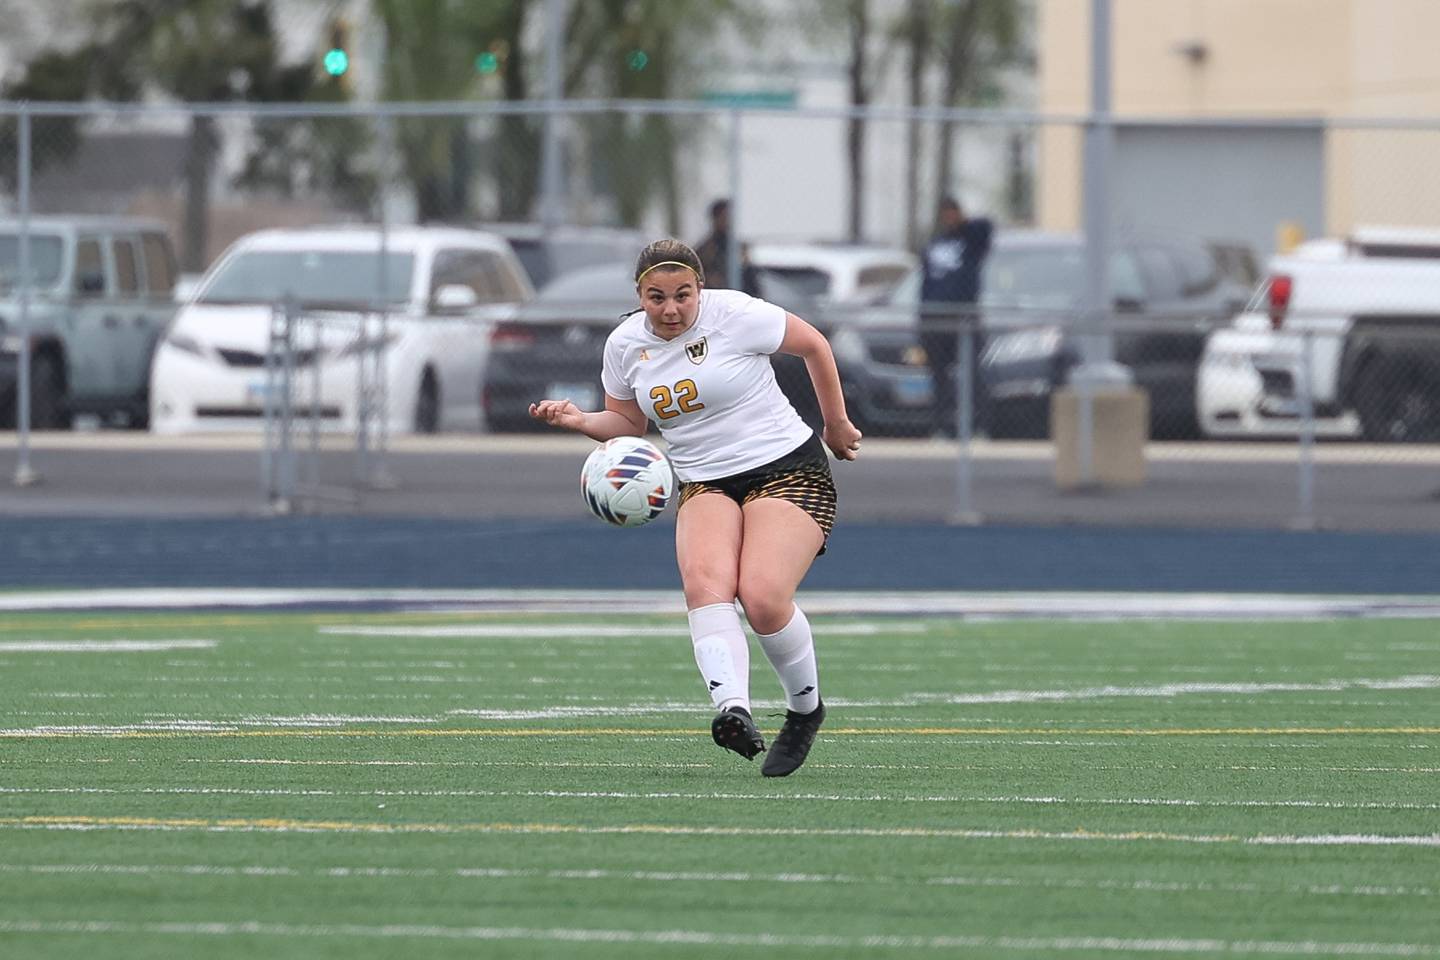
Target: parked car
[548, 252]
[443, 289]
[553, 347]
[834, 273]
[102, 294]
[1167, 291]
[855, 295]
[1368, 309]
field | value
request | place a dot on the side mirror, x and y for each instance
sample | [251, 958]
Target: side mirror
[455, 298]
[90, 284]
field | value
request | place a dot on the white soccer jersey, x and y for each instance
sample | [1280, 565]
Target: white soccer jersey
[711, 390]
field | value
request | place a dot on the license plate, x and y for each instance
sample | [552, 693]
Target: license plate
[586, 396]
[913, 391]
[256, 390]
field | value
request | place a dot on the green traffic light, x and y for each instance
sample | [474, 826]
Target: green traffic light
[337, 61]
[487, 62]
[638, 60]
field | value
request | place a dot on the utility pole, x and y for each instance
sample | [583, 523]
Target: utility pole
[551, 170]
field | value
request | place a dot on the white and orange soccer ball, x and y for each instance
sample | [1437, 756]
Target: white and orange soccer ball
[626, 481]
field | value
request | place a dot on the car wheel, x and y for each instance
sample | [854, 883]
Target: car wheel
[1405, 409]
[427, 405]
[47, 394]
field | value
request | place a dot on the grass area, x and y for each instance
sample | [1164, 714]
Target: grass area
[336, 785]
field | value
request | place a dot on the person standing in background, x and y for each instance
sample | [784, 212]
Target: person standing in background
[714, 252]
[952, 262]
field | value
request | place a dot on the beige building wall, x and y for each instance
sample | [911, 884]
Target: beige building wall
[1332, 59]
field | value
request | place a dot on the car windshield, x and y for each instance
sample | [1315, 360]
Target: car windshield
[532, 256]
[808, 282]
[1049, 277]
[46, 259]
[592, 286]
[344, 277]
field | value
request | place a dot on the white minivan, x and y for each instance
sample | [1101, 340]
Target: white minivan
[1309, 311]
[443, 288]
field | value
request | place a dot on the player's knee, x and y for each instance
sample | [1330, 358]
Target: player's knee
[768, 605]
[706, 584]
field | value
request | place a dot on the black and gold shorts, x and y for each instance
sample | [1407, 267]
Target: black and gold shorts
[801, 476]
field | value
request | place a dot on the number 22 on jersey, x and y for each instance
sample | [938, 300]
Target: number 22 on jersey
[670, 402]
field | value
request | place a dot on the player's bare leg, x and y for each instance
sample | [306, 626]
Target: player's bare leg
[707, 547]
[780, 542]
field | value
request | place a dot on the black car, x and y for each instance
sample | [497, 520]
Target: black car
[554, 345]
[1168, 294]
[882, 366]
[548, 252]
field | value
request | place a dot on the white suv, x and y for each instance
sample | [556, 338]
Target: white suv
[443, 289]
[1336, 298]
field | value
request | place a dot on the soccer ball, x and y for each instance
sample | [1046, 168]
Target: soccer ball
[626, 481]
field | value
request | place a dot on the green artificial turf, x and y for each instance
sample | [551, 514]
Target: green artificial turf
[1028, 788]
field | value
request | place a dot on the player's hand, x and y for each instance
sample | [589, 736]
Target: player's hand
[558, 413]
[843, 439]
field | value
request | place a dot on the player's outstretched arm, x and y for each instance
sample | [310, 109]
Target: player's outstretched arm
[620, 418]
[804, 341]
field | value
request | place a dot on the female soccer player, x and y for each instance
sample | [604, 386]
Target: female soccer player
[756, 497]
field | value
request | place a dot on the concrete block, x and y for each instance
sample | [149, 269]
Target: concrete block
[1121, 427]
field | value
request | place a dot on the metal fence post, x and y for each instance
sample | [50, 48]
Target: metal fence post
[317, 343]
[1305, 513]
[25, 475]
[732, 243]
[964, 512]
[378, 476]
[267, 449]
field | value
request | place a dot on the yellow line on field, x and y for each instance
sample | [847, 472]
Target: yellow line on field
[352, 826]
[642, 732]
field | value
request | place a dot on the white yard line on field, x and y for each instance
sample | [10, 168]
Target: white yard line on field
[103, 646]
[520, 631]
[670, 765]
[998, 605]
[758, 941]
[284, 825]
[886, 798]
[658, 708]
[257, 871]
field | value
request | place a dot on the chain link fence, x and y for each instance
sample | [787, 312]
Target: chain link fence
[1322, 361]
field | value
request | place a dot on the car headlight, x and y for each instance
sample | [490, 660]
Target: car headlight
[848, 346]
[1021, 345]
[185, 344]
[359, 345]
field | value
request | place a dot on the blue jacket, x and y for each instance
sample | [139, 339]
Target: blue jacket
[953, 261]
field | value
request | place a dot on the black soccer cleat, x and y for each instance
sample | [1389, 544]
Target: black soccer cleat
[793, 744]
[733, 729]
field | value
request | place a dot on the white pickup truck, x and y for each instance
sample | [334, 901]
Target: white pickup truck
[1363, 314]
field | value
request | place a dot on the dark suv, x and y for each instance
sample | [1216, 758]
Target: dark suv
[1168, 294]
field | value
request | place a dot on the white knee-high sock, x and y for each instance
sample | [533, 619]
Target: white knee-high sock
[722, 653]
[791, 652]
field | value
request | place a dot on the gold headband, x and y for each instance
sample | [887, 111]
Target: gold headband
[666, 263]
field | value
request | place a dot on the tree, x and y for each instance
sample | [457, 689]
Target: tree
[980, 39]
[637, 49]
[198, 51]
[446, 50]
[918, 45]
[56, 76]
[972, 41]
[858, 12]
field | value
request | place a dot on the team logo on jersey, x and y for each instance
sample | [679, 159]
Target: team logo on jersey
[696, 350]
